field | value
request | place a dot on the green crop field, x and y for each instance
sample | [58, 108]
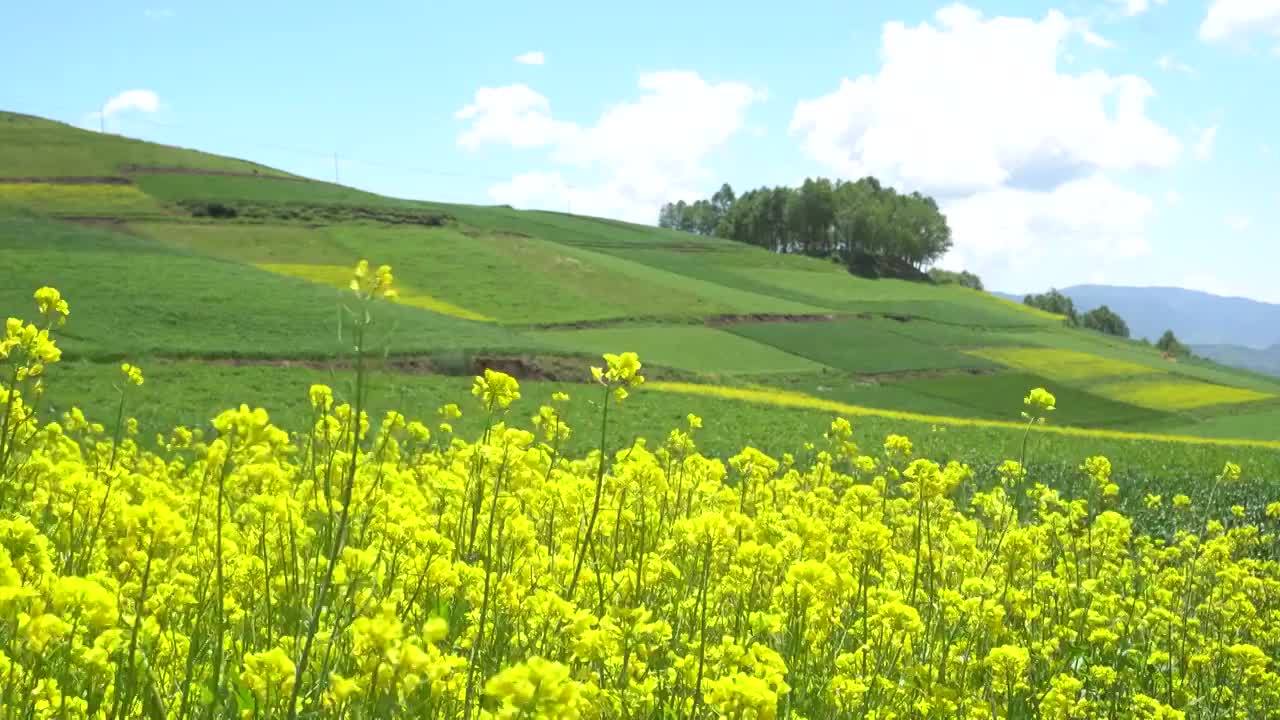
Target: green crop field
[137, 297]
[153, 275]
[694, 348]
[175, 187]
[35, 147]
[859, 346]
[998, 397]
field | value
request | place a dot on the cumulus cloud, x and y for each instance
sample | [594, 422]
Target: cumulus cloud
[1020, 151]
[1236, 20]
[513, 115]
[1172, 197]
[128, 101]
[158, 13]
[140, 100]
[533, 57]
[644, 152]
[1204, 146]
[1093, 214]
[973, 104]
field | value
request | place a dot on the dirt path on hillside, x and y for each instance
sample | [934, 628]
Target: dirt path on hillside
[172, 170]
[68, 180]
[554, 368]
[718, 320]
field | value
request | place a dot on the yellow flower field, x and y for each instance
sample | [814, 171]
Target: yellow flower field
[77, 199]
[1068, 365]
[377, 567]
[338, 276]
[1176, 394]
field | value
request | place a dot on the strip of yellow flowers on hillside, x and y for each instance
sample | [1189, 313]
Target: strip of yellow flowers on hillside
[787, 398]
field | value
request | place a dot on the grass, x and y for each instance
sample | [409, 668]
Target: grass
[694, 348]
[999, 397]
[951, 335]
[1177, 394]
[1061, 365]
[781, 398]
[1263, 425]
[827, 285]
[339, 277]
[116, 201]
[35, 147]
[525, 280]
[251, 243]
[233, 189]
[866, 393]
[133, 297]
[185, 393]
[856, 345]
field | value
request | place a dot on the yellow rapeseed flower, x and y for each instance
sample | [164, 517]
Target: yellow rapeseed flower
[497, 390]
[132, 373]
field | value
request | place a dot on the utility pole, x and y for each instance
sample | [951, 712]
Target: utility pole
[102, 120]
[335, 168]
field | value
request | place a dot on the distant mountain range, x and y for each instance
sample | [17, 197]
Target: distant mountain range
[1263, 361]
[1231, 330]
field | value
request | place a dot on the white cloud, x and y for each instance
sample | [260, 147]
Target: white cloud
[1170, 63]
[644, 152]
[1135, 7]
[533, 57]
[1239, 223]
[1204, 146]
[1092, 214]
[1172, 197]
[130, 100]
[973, 104]
[1234, 20]
[140, 100]
[981, 113]
[158, 13]
[513, 115]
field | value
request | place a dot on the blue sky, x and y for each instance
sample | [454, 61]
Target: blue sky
[1117, 141]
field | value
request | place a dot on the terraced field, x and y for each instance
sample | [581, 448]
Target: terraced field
[216, 261]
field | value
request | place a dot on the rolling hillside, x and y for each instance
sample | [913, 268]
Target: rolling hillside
[228, 274]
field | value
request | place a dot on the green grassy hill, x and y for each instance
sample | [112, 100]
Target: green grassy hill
[226, 277]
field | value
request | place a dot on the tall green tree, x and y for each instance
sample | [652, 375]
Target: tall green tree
[1169, 343]
[1104, 320]
[1054, 302]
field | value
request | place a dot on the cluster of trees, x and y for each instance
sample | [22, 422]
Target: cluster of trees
[1103, 319]
[964, 278]
[1170, 343]
[847, 221]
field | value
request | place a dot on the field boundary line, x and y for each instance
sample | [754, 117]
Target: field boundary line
[787, 398]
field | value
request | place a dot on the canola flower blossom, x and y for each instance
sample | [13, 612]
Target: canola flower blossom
[132, 373]
[368, 567]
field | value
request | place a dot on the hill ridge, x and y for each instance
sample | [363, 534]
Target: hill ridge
[216, 262]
